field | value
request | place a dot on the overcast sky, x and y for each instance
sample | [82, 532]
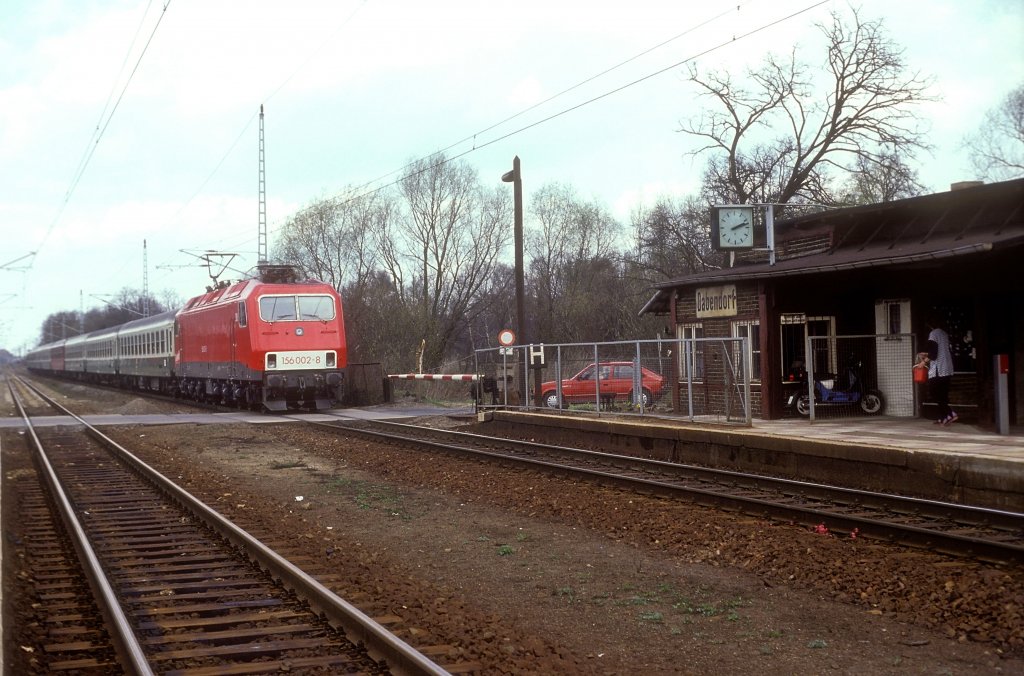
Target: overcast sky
[355, 89]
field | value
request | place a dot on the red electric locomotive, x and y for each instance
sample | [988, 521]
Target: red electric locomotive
[274, 342]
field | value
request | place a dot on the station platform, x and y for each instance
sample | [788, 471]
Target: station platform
[959, 463]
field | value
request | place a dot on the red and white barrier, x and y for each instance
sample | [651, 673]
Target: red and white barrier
[469, 377]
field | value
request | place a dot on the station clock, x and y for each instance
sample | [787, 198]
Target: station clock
[732, 227]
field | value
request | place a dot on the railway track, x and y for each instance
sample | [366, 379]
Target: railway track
[958, 530]
[179, 589]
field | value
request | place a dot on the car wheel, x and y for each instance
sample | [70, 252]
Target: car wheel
[551, 400]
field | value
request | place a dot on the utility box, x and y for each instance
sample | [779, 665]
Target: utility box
[1001, 375]
[506, 376]
[366, 385]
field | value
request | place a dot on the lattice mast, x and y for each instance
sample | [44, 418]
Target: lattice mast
[263, 198]
[145, 280]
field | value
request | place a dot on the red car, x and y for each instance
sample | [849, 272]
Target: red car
[614, 381]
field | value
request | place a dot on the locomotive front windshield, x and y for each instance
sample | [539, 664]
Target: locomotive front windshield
[292, 308]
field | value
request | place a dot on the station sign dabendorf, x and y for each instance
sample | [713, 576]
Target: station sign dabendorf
[716, 301]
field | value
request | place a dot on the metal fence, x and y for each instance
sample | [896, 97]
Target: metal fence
[859, 375]
[633, 378]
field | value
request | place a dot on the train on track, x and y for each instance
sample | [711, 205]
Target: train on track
[272, 342]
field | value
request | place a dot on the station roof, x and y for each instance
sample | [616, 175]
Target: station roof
[953, 224]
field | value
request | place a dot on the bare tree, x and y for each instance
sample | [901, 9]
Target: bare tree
[888, 179]
[673, 238]
[60, 325]
[334, 240]
[571, 248]
[997, 148]
[445, 247]
[778, 139]
[127, 305]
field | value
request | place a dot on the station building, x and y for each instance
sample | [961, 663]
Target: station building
[875, 272]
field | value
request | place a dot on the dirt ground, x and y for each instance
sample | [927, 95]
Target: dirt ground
[527, 573]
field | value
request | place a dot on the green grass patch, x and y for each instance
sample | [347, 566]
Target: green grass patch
[567, 593]
[372, 496]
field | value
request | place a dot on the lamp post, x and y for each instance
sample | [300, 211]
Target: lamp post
[516, 179]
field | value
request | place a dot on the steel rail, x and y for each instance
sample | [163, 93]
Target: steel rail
[126, 644]
[873, 515]
[400, 657]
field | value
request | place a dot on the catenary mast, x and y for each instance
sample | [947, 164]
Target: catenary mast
[263, 198]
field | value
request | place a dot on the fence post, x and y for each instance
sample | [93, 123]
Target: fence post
[691, 365]
[809, 347]
[747, 373]
[638, 381]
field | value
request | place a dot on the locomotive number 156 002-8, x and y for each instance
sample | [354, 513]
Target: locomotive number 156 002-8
[285, 361]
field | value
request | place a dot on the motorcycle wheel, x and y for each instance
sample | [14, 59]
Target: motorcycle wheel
[803, 405]
[872, 403]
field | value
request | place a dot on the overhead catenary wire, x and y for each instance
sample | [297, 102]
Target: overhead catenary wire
[245, 128]
[473, 136]
[606, 71]
[565, 111]
[93, 139]
[360, 190]
[84, 164]
[497, 139]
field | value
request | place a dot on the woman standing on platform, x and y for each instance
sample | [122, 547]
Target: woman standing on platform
[939, 359]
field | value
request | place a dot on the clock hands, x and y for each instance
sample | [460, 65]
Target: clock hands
[740, 225]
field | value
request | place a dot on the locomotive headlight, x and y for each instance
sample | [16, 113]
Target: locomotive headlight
[271, 361]
[330, 360]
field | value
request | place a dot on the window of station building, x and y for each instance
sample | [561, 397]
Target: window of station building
[751, 330]
[691, 351]
[794, 330]
[955, 320]
[894, 317]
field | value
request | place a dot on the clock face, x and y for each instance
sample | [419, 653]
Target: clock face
[735, 227]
